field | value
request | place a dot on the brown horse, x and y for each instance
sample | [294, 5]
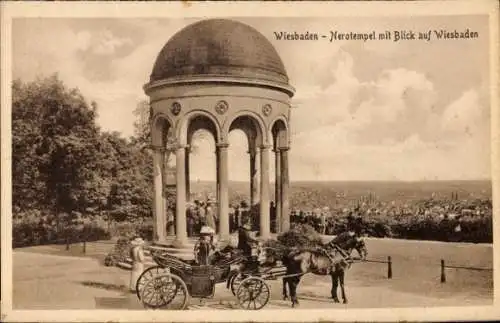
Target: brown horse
[331, 259]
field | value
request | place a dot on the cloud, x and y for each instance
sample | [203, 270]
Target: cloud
[107, 43]
[463, 115]
[387, 128]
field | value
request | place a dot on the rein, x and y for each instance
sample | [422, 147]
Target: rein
[343, 253]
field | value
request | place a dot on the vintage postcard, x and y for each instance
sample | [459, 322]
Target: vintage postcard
[228, 161]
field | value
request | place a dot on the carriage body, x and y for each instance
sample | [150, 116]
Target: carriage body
[199, 279]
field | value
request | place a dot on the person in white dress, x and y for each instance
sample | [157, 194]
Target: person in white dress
[137, 256]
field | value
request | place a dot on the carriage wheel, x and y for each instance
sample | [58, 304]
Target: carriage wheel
[253, 293]
[165, 291]
[235, 282]
[147, 275]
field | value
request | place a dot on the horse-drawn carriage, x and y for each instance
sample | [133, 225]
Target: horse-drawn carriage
[171, 283]
[247, 277]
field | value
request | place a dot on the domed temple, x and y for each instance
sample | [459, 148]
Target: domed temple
[220, 75]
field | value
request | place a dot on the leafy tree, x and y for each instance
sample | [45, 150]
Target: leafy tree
[54, 147]
[27, 183]
[142, 128]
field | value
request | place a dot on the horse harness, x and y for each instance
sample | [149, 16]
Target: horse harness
[331, 254]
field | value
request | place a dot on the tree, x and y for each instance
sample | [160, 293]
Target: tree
[130, 176]
[27, 182]
[55, 131]
[142, 128]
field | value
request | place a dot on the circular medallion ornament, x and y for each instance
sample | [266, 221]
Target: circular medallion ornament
[221, 107]
[175, 108]
[267, 109]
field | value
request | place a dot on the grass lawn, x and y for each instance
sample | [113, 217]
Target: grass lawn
[416, 267]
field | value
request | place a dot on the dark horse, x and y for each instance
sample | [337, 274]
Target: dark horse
[331, 259]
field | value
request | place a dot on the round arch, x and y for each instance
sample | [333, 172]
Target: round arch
[202, 116]
[160, 125]
[261, 132]
[280, 132]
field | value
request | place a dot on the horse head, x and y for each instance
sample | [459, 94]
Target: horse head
[360, 247]
[348, 242]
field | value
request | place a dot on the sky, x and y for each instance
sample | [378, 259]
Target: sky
[375, 110]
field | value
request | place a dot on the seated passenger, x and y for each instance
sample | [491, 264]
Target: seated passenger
[205, 246]
[245, 241]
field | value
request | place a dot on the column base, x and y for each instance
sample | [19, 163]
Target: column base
[180, 243]
[224, 240]
[265, 236]
[161, 243]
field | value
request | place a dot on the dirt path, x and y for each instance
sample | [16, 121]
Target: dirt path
[58, 282]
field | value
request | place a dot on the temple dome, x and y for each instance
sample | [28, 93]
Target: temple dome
[219, 48]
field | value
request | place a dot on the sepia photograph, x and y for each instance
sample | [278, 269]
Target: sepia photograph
[263, 161]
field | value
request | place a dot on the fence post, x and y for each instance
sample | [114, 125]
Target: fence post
[389, 267]
[443, 276]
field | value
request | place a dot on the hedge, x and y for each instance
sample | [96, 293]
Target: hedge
[476, 229]
[31, 234]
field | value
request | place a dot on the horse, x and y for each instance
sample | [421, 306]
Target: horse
[330, 259]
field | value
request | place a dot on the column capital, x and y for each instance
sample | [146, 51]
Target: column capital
[263, 147]
[180, 146]
[156, 148]
[283, 148]
[222, 145]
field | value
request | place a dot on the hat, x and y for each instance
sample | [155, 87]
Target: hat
[207, 230]
[137, 241]
[244, 204]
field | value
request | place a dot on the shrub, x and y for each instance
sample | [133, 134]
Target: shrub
[476, 229]
[120, 252]
[34, 228]
[300, 235]
[130, 229]
[32, 234]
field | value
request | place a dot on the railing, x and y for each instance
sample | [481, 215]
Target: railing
[388, 262]
[443, 269]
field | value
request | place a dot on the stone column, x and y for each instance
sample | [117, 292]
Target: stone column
[264, 192]
[180, 216]
[285, 189]
[158, 209]
[217, 176]
[165, 183]
[254, 192]
[186, 168]
[277, 189]
[223, 196]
